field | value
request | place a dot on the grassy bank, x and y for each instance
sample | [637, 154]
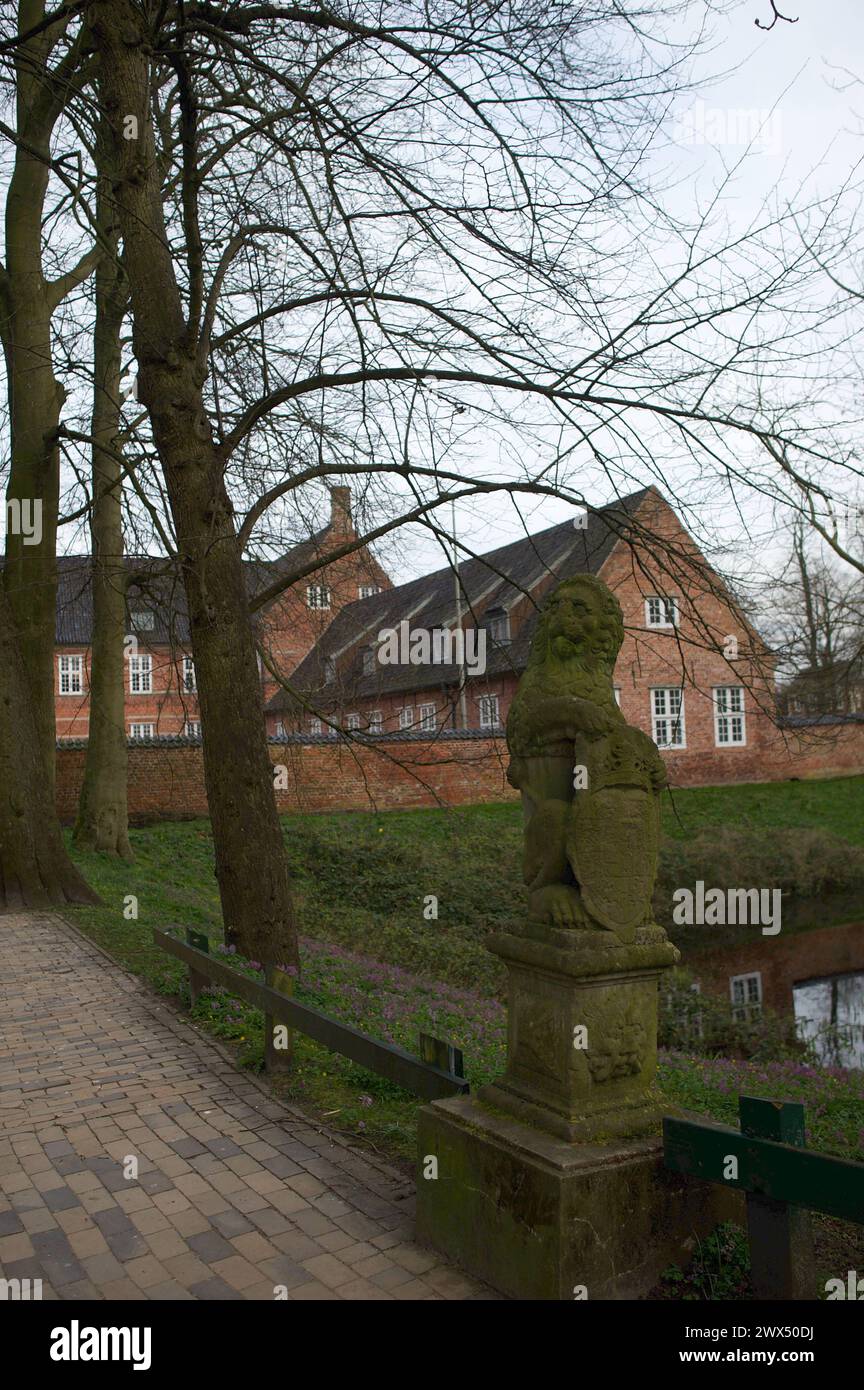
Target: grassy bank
[371, 956]
[395, 1004]
[365, 882]
[361, 884]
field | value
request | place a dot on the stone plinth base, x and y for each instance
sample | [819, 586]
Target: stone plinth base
[537, 1217]
[582, 1031]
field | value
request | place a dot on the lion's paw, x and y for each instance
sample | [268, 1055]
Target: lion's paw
[559, 903]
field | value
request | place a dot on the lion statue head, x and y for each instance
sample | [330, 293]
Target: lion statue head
[581, 627]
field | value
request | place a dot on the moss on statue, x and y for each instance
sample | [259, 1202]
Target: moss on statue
[590, 782]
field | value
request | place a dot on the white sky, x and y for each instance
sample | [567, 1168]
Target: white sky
[800, 73]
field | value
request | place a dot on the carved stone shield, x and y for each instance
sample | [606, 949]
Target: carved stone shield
[612, 845]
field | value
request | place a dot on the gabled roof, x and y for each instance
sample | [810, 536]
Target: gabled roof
[155, 587]
[498, 579]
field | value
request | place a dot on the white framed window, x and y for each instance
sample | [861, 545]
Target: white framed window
[428, 719]
[367, 590]
[661, 611]
[352, 721]
[143, 620]
[280, 729]
[142, 730]
[617, 693]
[190, 680]
[71, 675]
[315, 727]
[729, 721]
[192, 728]
[406, 717]
[141, 675]
[317, 596]
[489, 712]
[667, 716]
[376, 723]
[745, 992]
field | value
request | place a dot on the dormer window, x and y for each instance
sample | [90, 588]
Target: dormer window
[143, 620]
[661, 611]
[317, 596]
[368, 661]
[497, 624]
[329, 668]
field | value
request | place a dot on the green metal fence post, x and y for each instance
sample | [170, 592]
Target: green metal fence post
[781, 1244]
[277, 1059]
[197, 982]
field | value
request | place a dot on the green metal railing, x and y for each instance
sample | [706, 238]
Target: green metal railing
[767, 1160]
[435, 1074]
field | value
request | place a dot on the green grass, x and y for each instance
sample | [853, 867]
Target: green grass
[370, 955]
[362, 880]
[836, 805]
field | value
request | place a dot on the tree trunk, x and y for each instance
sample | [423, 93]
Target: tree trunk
[103, 819]
[251, 865]
[35, 396]
[35, 871]
[30, 571]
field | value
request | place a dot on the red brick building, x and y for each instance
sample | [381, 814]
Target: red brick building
[161, 696]
[692, 673]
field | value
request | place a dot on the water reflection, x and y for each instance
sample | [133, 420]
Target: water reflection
[830, 1014]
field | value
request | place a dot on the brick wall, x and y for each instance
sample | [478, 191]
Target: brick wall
[782, 962]
[166, 778]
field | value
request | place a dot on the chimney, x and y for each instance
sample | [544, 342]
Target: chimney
[340, 510]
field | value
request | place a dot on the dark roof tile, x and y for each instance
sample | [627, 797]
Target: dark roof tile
[500, 578]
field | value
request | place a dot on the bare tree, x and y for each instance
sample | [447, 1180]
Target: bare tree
[813, 610]
[47, 72]
[103, 818]
[386, 221]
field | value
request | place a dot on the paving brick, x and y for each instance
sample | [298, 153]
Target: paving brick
[329, 1270]
[166, 1244]
[86, 1243]
[236, 1194]
[145, 1271]
[237, 1272]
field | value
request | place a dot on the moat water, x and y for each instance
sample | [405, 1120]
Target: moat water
[829, 1013]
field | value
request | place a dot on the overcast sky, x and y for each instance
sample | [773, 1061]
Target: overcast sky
[799, 77]
[796, 81]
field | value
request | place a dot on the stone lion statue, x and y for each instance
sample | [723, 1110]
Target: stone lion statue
[590, 782]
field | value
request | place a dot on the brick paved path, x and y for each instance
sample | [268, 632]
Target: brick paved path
[235, 1195]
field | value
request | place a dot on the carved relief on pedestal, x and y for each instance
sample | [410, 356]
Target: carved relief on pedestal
[621, 1052]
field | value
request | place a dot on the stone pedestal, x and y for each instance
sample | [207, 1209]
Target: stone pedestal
[582, 1031]
[539, 1218]
[551, 1179]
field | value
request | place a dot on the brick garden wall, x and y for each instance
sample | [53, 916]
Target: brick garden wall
[166, 778]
